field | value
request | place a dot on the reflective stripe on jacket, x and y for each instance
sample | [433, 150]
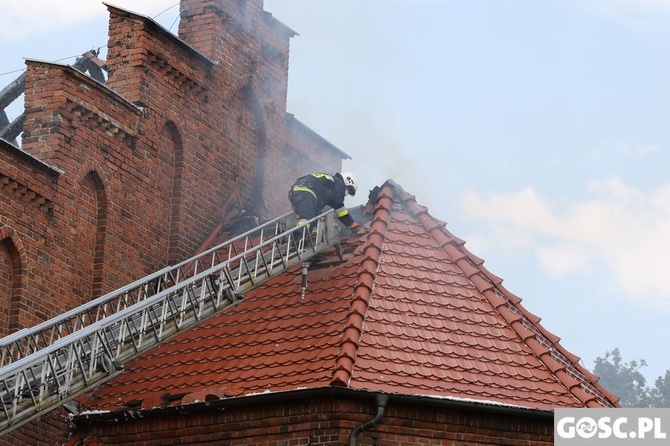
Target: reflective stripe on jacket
[328, 190]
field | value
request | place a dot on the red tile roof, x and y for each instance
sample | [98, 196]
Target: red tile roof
[409, 311]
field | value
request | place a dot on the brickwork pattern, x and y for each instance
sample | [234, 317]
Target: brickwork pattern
[116, 181]
[323, 422]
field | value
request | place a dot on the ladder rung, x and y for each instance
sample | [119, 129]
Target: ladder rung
[57, 360]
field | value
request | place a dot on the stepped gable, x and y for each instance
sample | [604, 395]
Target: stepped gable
[408, 311]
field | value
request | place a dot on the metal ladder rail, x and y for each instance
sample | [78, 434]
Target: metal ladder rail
[29, 340]
[74, 354]
[73, 364]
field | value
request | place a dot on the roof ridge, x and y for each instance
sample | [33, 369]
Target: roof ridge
[581, 383]
[367, 274]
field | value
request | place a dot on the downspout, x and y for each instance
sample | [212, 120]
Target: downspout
[381, 399]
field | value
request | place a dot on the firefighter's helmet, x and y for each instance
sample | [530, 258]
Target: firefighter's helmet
[350, 182]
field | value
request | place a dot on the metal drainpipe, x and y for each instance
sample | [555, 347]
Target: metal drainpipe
[381, 399]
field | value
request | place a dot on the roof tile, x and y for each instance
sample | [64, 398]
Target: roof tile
[410, 311]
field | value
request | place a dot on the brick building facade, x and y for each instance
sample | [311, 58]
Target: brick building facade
[404, 340]
[116, 180]
[326, 418]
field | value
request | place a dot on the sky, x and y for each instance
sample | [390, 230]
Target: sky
[538, 131]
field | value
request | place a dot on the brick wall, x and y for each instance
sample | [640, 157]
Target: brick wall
[27, 226]
[116, 181]
[326, 421]
[49, 430]
[132, 175]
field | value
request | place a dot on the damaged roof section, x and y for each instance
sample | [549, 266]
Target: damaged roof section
[88, 63]
[408, 310]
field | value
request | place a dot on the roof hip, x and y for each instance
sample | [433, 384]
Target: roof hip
[367, 274]
[580, 382]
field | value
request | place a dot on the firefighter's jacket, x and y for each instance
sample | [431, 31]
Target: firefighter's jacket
[327, 190]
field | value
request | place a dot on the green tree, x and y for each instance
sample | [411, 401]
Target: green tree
[659, 396]
[623, 379]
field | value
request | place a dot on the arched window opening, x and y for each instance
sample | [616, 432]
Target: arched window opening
[170, 133]
[10, 286]
[93, 209]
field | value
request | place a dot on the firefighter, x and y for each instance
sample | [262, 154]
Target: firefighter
[311, 193]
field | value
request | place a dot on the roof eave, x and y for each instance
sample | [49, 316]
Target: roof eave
[295, 121]
[93, 417]
[275, 21]
[51, 170]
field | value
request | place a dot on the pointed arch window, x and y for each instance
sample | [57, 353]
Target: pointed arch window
[95, 210]
[11, 277]
[175, 248]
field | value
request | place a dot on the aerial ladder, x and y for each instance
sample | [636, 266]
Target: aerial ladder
[45, 366]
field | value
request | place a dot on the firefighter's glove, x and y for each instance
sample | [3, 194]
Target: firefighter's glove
[356, 228]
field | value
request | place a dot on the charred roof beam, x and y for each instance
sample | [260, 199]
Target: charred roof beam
[12, 91]
[10, 132]
[90, 62]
